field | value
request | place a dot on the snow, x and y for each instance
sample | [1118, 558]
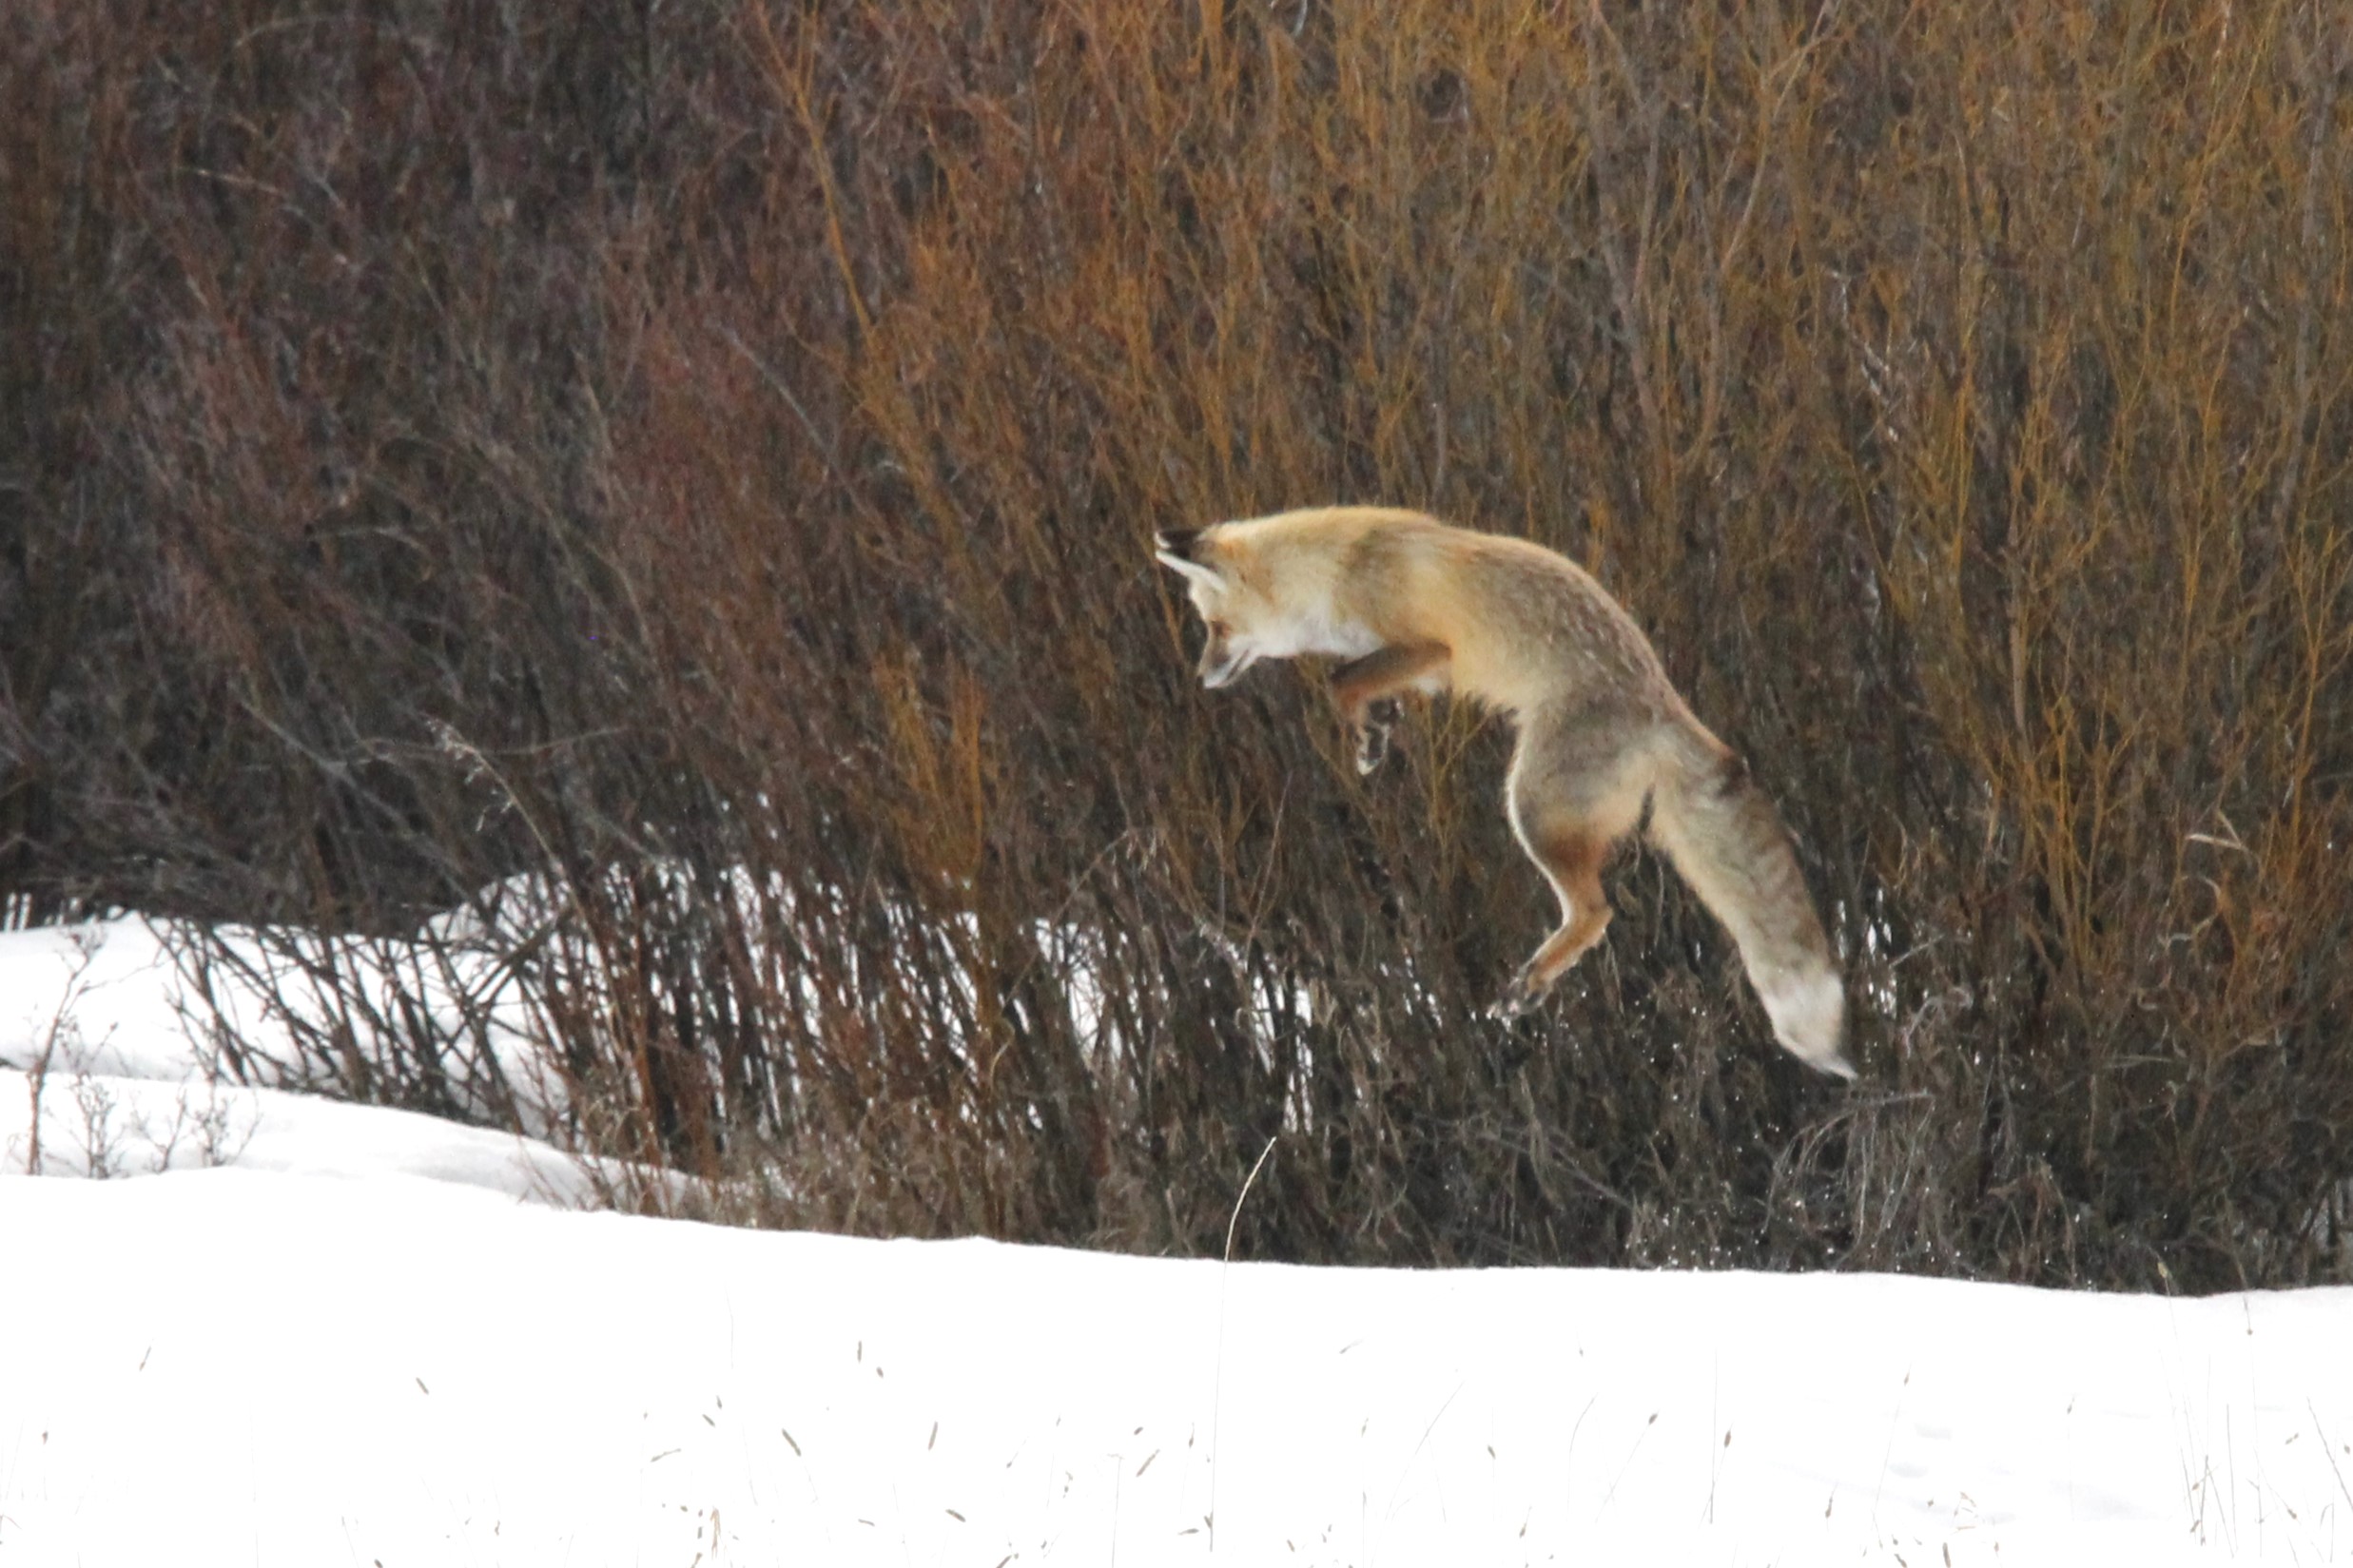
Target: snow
[99, 1018]
[339, 1334]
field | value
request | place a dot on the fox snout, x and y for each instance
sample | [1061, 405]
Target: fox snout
[1221, 660]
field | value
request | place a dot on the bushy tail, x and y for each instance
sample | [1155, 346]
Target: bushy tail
[1727, 841]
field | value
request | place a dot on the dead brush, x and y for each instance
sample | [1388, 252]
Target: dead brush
[744, 425]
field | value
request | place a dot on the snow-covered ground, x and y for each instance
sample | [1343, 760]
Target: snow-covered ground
[332, 1334]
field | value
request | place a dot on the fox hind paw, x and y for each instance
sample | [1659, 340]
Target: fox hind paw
[1517, 998]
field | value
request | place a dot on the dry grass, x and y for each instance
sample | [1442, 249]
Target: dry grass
[435, 445]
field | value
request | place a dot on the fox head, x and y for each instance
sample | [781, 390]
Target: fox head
[1266, 588]
[1229, 606]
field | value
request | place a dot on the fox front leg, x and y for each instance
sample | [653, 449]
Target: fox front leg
[1374, 680]
[1373, 732]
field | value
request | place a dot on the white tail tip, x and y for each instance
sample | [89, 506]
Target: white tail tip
[1809, 1016]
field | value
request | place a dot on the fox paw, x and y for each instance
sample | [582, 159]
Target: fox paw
[1520, 994]
[1372, 736]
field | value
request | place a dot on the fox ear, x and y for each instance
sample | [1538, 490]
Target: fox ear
[1174, 547]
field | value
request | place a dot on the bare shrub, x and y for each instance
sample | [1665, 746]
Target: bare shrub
[702, 466]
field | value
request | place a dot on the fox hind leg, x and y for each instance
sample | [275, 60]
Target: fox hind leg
[1366, 689]
[1577, 786]
[1571, 859]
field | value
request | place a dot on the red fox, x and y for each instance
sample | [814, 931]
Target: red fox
[1412, 604]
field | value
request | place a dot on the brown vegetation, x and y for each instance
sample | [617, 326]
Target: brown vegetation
[706, 454]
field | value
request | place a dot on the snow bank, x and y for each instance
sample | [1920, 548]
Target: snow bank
[108, 1070]
[327, 1334]
[231, 1366]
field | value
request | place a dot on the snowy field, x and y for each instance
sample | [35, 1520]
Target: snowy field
[328, 1334]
